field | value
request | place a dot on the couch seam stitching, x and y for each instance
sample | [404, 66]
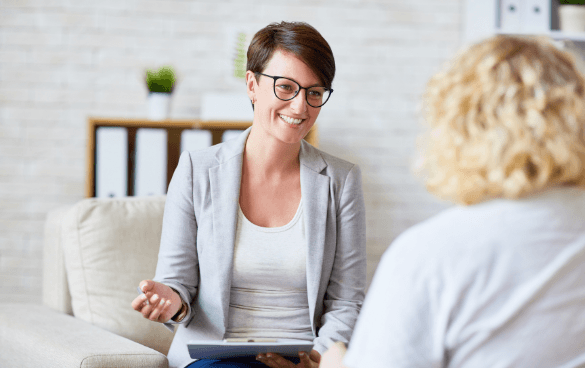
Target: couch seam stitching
[84, 276]
[120, 354]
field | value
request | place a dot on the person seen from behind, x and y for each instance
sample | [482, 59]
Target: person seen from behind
[496, 280]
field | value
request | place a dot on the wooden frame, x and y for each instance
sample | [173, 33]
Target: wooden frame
[174, 129]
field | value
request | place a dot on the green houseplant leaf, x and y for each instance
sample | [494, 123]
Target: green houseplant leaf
[162, 80]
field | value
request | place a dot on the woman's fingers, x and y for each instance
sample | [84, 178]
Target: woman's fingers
[152, 310]
[139, 302]
[156, 302]
[275, 361]
[158, 313]
[146, 285]
[153, 316]
[315, 356]
[164, 316]
[146, 310]
[306, 362]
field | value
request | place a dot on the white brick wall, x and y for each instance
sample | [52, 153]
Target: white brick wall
[63, 61]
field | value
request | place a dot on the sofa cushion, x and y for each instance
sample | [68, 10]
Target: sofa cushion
[109, 246]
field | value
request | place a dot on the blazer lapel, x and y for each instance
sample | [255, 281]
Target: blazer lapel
[315, 193]
[225, 180]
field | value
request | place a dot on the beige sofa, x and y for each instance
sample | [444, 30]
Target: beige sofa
[95, 254]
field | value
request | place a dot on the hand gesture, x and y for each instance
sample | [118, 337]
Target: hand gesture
[274, 360]
[159, 302]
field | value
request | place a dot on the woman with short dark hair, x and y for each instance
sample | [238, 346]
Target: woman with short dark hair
[299, 39]
[264, 235]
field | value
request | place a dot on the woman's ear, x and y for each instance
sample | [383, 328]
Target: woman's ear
[251, 85]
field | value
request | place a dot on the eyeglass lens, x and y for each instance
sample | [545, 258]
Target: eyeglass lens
[287, 89]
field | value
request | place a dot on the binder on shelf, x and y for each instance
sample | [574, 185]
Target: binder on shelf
[511, 14]
[122, 160]
[537, 17]
[111, 162]
[150, 174]
[194, 140]
[525, 16]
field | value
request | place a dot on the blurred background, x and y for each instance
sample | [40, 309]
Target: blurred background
[65, 61]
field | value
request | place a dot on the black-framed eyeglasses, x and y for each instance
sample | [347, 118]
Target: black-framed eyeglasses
[286, 89]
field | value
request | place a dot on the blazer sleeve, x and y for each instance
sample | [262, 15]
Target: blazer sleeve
[346, 289]
[178, 264]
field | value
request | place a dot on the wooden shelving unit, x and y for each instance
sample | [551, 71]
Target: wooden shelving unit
[483, 18]
[174, 129]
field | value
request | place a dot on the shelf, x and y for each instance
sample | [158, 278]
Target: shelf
[483, 19]
[554, 34]
[173, 128]
[573, 36]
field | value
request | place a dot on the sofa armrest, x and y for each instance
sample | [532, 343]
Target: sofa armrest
[37, 336]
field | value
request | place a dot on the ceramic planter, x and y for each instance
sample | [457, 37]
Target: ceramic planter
[159, 105]
[572, 18]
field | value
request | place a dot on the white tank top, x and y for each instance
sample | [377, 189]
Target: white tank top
[269, 281]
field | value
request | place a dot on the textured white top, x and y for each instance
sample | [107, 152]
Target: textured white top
[498, 284]
[269, 283]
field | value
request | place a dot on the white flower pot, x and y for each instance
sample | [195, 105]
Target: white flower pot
[159, 105]
[572, 18]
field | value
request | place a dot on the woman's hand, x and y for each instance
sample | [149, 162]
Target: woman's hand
[163, 303]
[334, 356]
[274, 360]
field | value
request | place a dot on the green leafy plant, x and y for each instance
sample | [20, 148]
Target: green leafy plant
[572, 2]
[240, 59]
[162, 80]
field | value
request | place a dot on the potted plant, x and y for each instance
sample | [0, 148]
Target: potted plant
[160, 85]
[572, 15]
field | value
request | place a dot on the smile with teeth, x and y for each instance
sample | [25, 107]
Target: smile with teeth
[290, 120]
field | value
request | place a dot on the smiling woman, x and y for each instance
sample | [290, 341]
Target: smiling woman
[299, 39]
[271, 108]
[264, 235]
[293, 55]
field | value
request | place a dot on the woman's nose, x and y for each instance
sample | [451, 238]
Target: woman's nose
[299, 103]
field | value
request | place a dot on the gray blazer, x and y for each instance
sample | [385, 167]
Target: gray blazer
[199, 228]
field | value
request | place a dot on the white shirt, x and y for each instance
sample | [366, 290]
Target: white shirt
[268, 296]
[498, 284]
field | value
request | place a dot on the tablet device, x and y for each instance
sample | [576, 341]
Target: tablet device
[239, 348]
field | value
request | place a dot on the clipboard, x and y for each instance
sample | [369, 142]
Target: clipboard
[240, 348]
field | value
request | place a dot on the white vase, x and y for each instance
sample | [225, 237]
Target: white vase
[159, 105]
[572, 18]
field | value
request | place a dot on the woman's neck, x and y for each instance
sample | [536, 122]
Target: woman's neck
[267, 156]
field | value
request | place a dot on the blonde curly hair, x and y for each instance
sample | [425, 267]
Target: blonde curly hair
[507, 119]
